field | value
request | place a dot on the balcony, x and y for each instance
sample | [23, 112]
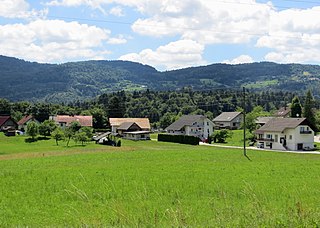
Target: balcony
[305, 132]
[265, 140]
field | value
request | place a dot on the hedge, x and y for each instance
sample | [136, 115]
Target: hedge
[183, 139]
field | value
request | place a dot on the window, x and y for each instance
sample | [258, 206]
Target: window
[276, 138]
[269, 136]
[207, 123]
[290, 137]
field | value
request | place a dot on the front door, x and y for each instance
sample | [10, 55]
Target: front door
[300, 146]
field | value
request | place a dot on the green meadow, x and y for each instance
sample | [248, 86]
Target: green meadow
[155, 184]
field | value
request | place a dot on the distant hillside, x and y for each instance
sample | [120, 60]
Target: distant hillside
[22, 80]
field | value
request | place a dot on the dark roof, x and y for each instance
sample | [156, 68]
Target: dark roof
[4, 119]
[184, 121]
[282, 112]
[126, 125]
[280, 124]
[227, 116]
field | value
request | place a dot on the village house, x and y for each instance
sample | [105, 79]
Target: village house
[131, 128]
[22, 124]
[8, 125]
[65, 120]
[193, 125]
[228, 120]
[286, 134]
[283, 112]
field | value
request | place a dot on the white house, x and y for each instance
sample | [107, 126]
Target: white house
[193, 125]
[228, 120]
[286, 134]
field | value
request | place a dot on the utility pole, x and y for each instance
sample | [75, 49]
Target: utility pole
[244, 124]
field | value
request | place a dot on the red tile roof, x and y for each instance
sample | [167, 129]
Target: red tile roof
[24, 120]
[85, 121]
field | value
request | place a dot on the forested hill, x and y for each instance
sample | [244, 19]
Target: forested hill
[21, 80]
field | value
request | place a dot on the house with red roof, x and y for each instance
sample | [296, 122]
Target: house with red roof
[22, 124]
[7, 123]
[65, 120]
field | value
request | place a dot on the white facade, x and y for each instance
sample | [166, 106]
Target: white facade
[201, 129]
[299, 138]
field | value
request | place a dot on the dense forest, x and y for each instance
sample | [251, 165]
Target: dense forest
[161, 107]
[69, 82]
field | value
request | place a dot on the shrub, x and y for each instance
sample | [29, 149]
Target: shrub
[183, 139]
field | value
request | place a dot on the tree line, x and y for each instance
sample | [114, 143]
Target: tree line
[164, 107]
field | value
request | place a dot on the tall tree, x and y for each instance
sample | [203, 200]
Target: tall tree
[308, 109]
[32, 129]
[296, 109]
[116, 107]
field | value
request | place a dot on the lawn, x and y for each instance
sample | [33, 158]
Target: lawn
[156, 184]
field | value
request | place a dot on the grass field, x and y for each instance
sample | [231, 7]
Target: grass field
[155, 184]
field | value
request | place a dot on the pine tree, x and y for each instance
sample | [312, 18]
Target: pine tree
[308, 109]
[296, 109]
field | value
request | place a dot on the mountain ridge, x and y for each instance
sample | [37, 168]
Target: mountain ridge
[32, 81]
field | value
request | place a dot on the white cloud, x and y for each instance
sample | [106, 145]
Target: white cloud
[240, 59]
[19, 9]
[53, 41]
[179, 54]
[116, 11]
[117, 40]
[293, 36]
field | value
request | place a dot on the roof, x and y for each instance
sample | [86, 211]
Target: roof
[25, 119]
[184, 121]
[284, 111]
[226, 116]
[4, 119]
[264, 119]
[127, 125]
[142, 122]
[280, 124]
[85, 121]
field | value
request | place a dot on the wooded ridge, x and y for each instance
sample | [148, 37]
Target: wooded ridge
[31, 81]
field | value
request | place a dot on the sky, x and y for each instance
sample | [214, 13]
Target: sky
[165, 34]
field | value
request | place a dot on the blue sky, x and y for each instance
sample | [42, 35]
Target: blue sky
[166, 34]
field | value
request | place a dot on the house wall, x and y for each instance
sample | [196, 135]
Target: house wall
[293, 137]
[202, 129]
[136, 136]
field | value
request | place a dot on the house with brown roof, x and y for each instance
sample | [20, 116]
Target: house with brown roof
[7, 123]
[22, 124]
[65, 120]
[286, 134]
[228, 120]
[193, 125]
[131, 128]
[283, 112]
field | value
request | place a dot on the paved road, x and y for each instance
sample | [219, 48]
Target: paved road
[255, 148]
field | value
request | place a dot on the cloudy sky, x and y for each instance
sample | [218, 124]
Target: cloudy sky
[166, 34]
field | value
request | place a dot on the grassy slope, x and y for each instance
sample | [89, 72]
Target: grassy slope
[161, 184]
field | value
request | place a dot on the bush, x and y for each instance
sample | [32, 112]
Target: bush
[119, 143]
[221, 136]
[183, 139]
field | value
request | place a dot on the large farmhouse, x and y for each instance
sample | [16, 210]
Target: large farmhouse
[65, 120]
[286, 134]
[131, 128]
[193, 125]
